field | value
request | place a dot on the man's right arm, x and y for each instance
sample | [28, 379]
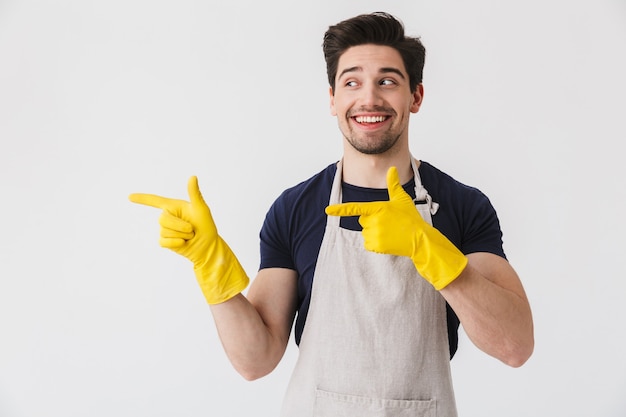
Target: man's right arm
[255, 329]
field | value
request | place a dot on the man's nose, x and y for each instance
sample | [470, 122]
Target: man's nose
[371, 95]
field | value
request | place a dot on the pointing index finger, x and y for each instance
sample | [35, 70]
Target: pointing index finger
[150, 200]
[351, 209]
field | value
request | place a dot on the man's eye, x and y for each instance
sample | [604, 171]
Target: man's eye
[351, 84]
[387, 82]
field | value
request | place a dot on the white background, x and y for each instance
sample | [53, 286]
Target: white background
[98, 99]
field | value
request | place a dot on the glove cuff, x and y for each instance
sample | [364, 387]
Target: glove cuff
[222, 277]
[447, 272]
[437, 260]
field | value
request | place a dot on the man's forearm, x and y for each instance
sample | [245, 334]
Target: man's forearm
[491, 304]
[249, 344]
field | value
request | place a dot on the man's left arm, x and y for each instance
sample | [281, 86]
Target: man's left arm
[482, 289]
[490, 301]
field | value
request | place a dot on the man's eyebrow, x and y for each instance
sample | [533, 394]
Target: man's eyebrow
[351, 69]
[383, 70]
[393, 70]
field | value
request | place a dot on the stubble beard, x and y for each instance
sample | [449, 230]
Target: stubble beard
[373, 145]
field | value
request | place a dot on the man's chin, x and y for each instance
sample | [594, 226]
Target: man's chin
[372, 147]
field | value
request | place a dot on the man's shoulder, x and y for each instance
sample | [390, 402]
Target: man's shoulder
[466, 215]
[440, 183]
[321, 182]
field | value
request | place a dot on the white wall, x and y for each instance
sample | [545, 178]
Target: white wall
[99, 99]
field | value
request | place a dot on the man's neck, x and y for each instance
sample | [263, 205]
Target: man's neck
[371, 170]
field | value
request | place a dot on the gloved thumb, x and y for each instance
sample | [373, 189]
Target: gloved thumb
[195, 196]
[393, 184]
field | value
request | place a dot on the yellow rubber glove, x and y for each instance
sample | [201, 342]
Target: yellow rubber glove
[188, 229]
[395, 227]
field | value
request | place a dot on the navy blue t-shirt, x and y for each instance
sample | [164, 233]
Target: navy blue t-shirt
[294, 226]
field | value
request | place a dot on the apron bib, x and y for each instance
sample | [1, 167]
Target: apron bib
[375, 343]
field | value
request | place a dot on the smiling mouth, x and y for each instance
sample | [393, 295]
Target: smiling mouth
[369, 119]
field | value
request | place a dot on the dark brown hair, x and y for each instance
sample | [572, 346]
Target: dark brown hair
[377, 28]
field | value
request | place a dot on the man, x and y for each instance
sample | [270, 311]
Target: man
[377, 290]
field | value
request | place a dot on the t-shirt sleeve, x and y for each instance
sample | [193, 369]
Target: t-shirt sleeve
[483, 232]
[274, 237]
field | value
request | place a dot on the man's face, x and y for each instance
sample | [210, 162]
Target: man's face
[372, 99]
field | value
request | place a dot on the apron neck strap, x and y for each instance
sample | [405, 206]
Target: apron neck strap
[423, 200]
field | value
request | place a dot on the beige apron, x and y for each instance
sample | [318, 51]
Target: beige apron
[375, 341]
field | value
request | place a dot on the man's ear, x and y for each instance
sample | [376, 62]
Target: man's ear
[333, 112]
[418, 97]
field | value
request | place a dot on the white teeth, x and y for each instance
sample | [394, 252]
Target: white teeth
[370, 119]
